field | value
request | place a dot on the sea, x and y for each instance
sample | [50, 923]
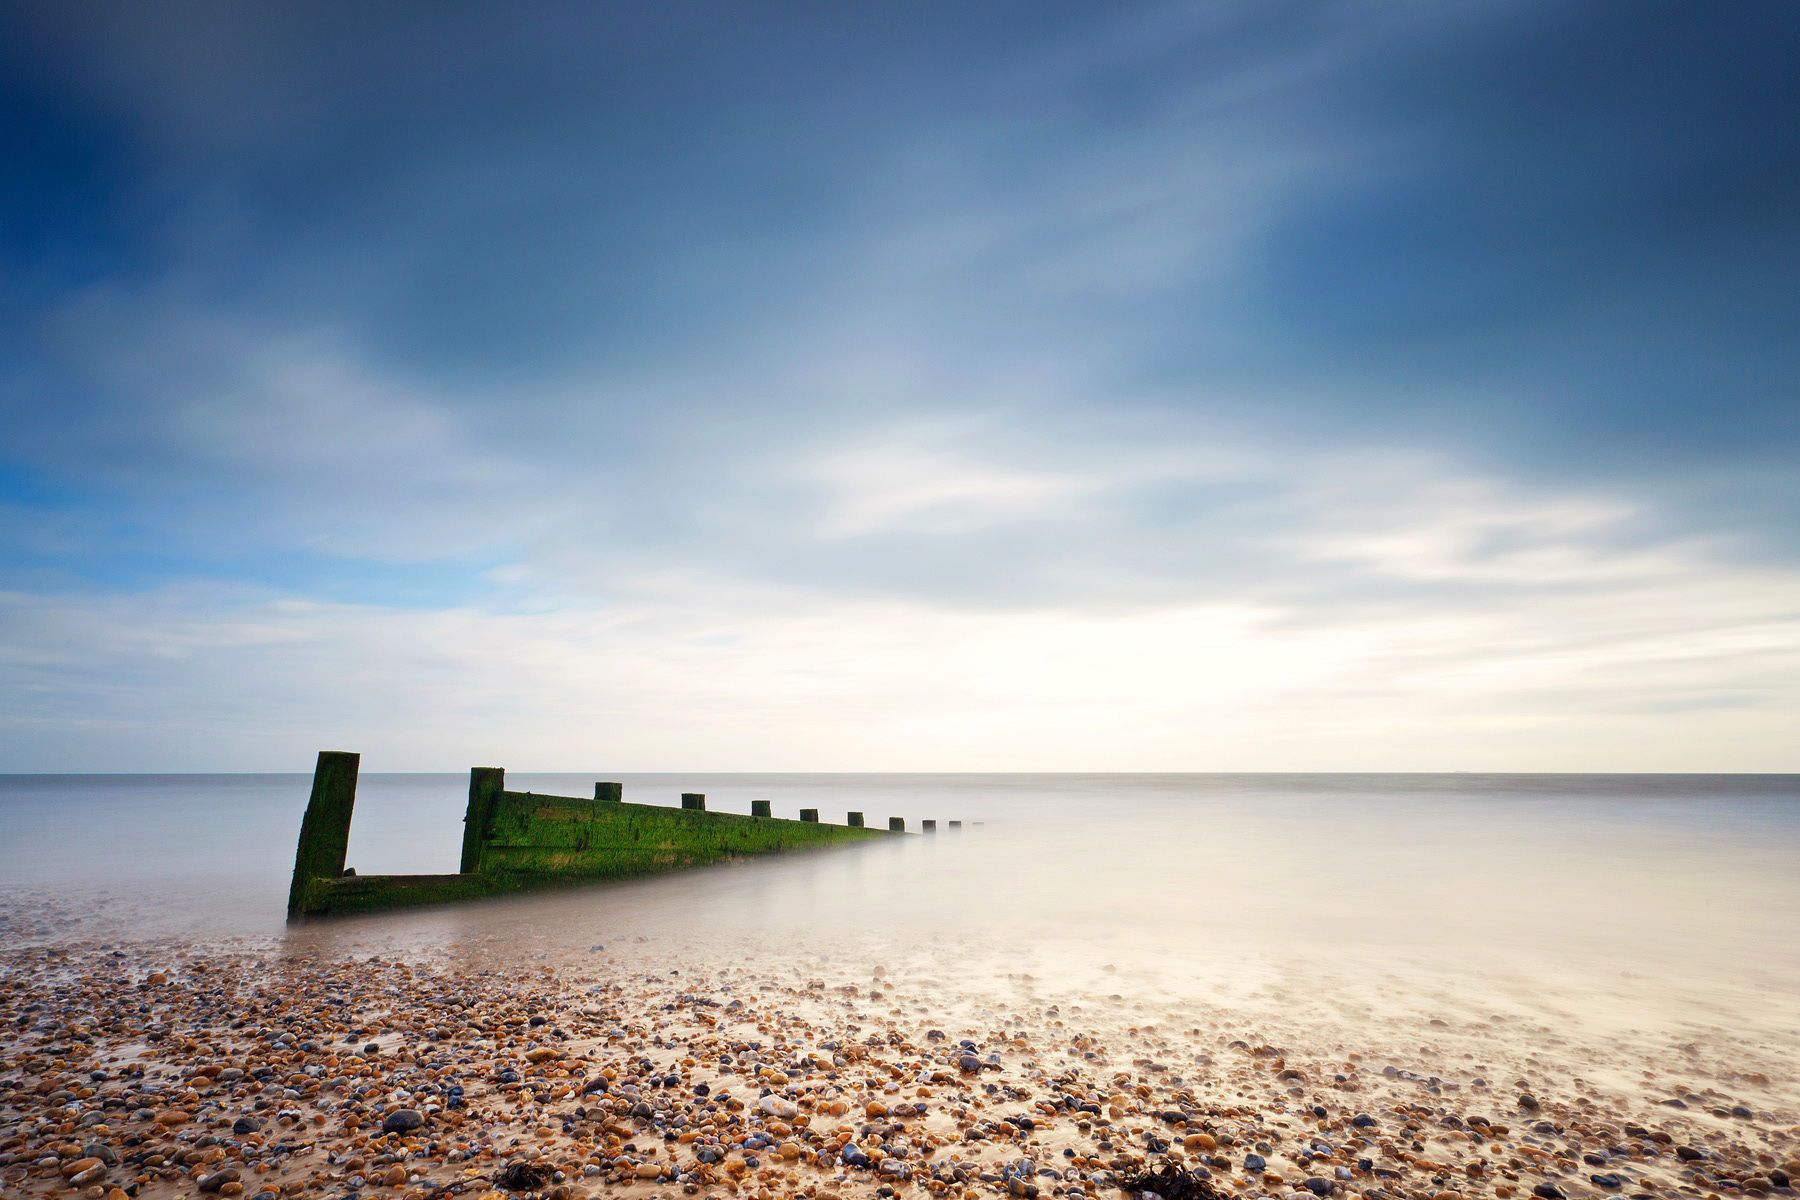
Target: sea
[1639, 929]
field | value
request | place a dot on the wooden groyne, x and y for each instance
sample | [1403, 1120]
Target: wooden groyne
[521, 841]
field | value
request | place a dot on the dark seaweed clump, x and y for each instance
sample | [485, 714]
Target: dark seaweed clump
[1171, 1183]
[524, 1177]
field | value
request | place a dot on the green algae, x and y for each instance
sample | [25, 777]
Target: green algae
[523, 842]
[325, 829]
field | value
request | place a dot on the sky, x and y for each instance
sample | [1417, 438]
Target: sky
[1021, 386]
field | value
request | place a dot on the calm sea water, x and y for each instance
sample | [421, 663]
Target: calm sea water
[1696, 868]
[1640, 931]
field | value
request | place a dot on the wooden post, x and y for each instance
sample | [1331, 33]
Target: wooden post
[855, 820]
[611, 792]
[896, 824]
[809, 814]
[957, 825]
[325, 829]
[695, 801]
[759, 808]
[928, 826]
[485, 786]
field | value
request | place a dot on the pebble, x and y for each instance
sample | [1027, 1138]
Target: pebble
[234, 1068]
[404, 1121]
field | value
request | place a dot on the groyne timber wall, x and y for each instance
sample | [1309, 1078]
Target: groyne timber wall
[521, 841]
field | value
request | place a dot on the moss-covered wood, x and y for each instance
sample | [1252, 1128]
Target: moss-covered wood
[520, 841]
[325, 828]
[486, 784]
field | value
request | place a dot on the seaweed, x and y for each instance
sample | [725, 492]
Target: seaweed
[523, 1177]
[1171, 1183]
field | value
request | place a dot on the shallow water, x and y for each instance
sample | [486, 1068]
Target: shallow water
[1628, 926]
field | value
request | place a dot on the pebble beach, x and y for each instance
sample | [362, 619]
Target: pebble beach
[157, 1071]
[930, 1018]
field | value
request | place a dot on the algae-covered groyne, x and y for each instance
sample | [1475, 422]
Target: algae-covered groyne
[521, 841]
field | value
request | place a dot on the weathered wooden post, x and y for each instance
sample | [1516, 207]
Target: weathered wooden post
[928, 826]
[759, 808]
[485, 786]
[325, 829]
[855, 820]
[809, 814]
[695, 801]
[896, 824]
[957, 825]
[611, 792]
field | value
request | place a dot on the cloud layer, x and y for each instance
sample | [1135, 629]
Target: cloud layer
[1164, 387]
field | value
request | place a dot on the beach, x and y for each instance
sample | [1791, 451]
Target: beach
[858, 1023]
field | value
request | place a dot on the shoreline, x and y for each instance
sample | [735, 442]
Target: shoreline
[151, 1071]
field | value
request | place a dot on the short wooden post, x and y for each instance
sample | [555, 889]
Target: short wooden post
[957, 825]
[611, 792]
[854, 819]
[485, 786]
[325, 829]
[896, 824]
[694, 800]
[759, 808]
[809, 814]
[928, 826]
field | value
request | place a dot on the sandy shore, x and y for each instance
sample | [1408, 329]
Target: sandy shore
[240, 1069]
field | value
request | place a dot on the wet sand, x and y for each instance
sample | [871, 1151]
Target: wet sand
[307, 1065]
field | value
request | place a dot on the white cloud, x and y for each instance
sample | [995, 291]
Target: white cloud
[924, 484]
[1695, 672]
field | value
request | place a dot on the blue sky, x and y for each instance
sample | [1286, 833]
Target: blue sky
[1014, 386]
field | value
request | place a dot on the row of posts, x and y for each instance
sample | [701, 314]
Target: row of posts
[696, 801]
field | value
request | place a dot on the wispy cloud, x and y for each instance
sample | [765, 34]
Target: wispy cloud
[1168, 387]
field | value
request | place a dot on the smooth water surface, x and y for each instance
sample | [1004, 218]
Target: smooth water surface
[1637, 911]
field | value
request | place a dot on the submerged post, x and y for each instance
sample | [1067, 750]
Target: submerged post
[485, 786]
[325, 829]
[928, 826]
[854, 819]
[759, 808]
[896, 824]
[809, 814]
[614, 792]
[956, 825]
[694, 800]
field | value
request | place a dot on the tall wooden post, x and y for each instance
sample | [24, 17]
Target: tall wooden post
[610, 792]
[759, 808]
[325, 829]
[896, 824]
[928, 826]
[485, 786]
[809, 814]
[694, 800]
[854, 820]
